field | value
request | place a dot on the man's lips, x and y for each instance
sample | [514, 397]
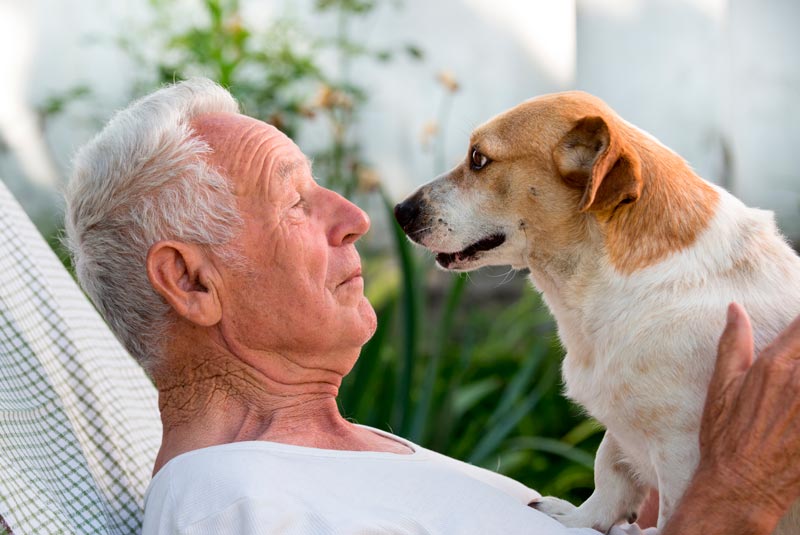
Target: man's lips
[355, 274]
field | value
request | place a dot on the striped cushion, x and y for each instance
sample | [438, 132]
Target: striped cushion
[79, 425]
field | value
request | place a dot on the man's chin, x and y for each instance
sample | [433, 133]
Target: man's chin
[368, 320]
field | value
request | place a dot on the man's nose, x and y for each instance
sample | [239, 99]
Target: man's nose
[351, 222]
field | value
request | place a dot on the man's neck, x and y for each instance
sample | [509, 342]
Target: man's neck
[218, 399]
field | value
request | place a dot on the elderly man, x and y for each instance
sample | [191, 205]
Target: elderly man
[232, 276]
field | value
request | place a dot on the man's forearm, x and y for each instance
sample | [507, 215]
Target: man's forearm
[712, 506]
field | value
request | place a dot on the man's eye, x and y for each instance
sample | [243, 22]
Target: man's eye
[478, 160]
[300, 204]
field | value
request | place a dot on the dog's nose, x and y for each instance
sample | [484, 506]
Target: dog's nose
[406, 212]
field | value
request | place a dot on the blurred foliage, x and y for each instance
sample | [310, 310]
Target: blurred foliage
[478, 381]
[278, 73]
[56, 103]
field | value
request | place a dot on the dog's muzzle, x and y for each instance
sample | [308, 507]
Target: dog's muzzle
[407, 214]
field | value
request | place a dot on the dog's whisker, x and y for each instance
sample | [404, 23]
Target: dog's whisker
[508, 277]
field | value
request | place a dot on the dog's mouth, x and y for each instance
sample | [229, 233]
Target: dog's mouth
[446, 260]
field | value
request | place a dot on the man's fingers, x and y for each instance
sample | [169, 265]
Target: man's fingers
[735, 352]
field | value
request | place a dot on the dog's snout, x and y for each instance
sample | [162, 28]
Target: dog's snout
[407, 212]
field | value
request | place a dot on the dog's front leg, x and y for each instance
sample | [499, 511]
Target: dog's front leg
[675, 462]
[618, 495]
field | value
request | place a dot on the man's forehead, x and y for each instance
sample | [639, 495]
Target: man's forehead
[248, 147]
[220, 128]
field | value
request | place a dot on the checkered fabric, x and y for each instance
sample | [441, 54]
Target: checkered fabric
[79, 425]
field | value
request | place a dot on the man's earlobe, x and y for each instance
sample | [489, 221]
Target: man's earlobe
[185, 277]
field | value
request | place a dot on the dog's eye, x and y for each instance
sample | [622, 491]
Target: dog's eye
[478, 160]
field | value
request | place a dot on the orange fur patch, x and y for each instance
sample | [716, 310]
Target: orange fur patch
[674, 208]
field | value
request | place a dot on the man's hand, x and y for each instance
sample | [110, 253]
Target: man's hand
[751, 424]
[749, 471]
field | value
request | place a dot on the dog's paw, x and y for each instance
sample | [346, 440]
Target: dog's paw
[571, 516]
[563, 511]
[554, 507]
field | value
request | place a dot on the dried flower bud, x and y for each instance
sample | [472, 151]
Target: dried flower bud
[307, 111]
[234, 24]
[368, 179]
[329, 98]
[429, 131]
[277, 120]
[448, 80]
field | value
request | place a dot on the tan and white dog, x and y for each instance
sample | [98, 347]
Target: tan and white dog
[637, 258]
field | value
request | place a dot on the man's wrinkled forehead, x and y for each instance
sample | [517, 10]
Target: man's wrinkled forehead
[251, 152]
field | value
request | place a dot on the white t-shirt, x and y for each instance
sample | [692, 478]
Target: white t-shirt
[247, 488]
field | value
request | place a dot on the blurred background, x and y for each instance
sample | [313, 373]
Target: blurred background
[383, 95]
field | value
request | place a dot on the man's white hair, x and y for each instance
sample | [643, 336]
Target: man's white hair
[142, 179]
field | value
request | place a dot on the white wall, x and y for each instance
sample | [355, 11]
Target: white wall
[717, 80]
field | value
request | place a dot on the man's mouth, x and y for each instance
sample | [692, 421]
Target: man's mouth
[486, 244]
[356, 273]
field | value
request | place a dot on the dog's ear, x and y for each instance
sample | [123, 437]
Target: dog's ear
[592, 158]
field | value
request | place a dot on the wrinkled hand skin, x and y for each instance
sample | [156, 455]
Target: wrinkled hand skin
[749, 471]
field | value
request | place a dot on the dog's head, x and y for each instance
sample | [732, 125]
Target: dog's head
[532, 178]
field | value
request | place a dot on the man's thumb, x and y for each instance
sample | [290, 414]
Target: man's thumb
[735, 351]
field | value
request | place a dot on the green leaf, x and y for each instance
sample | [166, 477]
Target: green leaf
[553, 446]
[56, 103]
[587, 428]
[469, 395]
[497, 433]
[518, 385]
[415, 52]
[410, 317]
[383, 55]
[354, 395]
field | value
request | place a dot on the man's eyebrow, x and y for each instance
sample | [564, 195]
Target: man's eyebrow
[285, 169]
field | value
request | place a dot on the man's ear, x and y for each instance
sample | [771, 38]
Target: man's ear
[591, 157]
[184, 276]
